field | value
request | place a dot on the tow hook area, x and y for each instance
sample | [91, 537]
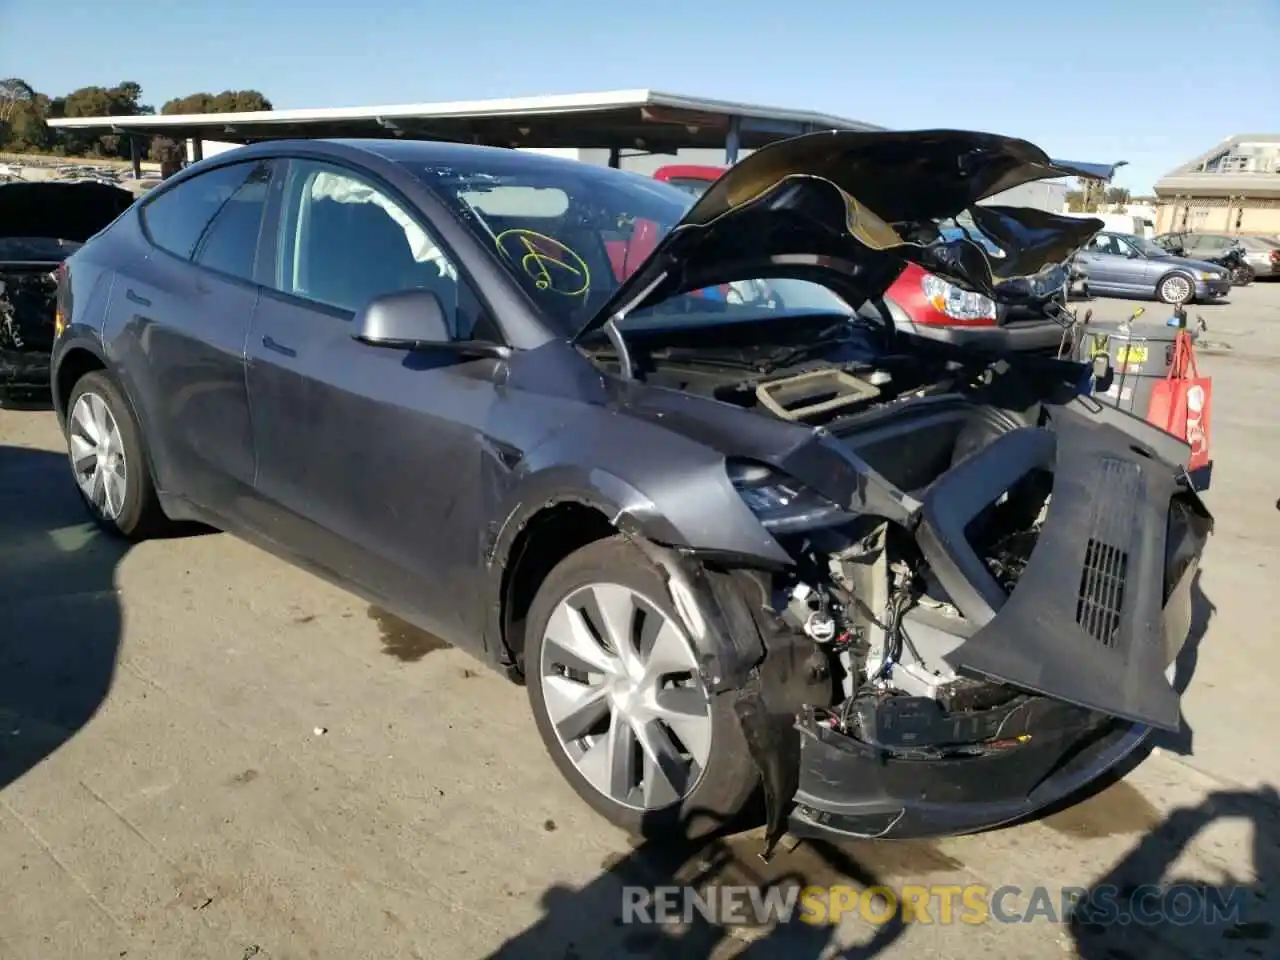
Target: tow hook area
[771, 673]
[794, 673]
[715, 613]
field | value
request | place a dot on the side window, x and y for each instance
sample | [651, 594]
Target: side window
[344, 240]
[176, 219]
[230, 241]
[1103, 243]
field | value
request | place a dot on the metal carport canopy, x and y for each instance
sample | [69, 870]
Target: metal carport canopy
[645, 120]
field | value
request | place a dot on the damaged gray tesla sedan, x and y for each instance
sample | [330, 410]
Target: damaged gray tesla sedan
[672, 467]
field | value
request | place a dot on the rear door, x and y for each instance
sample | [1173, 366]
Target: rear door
[178, 318]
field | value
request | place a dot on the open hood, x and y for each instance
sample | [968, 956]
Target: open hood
[60, 211]
[847, 208]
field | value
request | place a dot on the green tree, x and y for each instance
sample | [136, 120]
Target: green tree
[24, 112]
[22, 117]
[168, 152]
[122, 100]
[229, 101]
[14, 93]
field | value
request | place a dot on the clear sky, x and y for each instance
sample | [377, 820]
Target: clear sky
[1154, 82]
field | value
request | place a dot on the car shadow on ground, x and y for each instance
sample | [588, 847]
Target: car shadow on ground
[592, 921]
[1145, 906]
[60, 611]
[1202, 612]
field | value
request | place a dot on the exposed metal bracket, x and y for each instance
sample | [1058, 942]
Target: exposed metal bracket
[620, 347]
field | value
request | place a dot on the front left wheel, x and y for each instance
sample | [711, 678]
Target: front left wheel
[616, 693]
[108, 459]
[1176, 288]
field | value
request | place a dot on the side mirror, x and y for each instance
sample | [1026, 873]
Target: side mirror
[407, 319]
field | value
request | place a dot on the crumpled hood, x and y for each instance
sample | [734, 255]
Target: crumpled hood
[847, 208]
[59, 210]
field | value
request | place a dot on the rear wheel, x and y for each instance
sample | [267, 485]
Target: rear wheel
[108, 459]
[1242, 275]
[1176, 288]
[614, 685]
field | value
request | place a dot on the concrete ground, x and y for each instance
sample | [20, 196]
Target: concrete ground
[207, 753]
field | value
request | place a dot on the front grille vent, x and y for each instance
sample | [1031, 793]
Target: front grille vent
[1100, 600]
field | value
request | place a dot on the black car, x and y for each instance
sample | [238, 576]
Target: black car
[728, 531]
[41, 224]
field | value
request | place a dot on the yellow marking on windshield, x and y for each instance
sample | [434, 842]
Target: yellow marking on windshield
[552, 265]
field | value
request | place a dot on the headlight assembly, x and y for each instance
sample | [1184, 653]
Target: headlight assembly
[780, 503]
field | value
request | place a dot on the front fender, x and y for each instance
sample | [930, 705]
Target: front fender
[645, 478]
[625, 507]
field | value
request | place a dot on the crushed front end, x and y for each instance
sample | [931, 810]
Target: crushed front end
[995, 643]
[27, 304]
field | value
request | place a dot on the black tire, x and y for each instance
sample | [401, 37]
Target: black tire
[1242, 276]
[141, 516]
[730, 777]
[1163, 297]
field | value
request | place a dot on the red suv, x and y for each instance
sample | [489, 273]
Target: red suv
[923, 304]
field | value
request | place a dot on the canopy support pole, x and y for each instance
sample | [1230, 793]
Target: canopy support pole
[731, 141]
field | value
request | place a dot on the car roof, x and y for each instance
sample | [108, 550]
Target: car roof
[430, 153]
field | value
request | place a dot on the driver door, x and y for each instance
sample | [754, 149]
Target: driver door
[1138, 271]
[368, 457]
[1104, 261]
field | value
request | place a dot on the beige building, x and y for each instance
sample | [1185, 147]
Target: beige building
[1233, 188]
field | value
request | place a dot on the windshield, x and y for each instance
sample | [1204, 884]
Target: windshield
[570, 233]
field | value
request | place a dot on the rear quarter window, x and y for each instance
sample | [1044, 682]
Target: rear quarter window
[176, 220]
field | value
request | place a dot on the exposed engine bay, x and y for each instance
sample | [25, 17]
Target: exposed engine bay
[888, 626]
[967, 580]
[27, 304]
[862, 591]
[816, 375]
[42, 223]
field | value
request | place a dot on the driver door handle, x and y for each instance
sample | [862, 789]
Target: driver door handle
[272, 344]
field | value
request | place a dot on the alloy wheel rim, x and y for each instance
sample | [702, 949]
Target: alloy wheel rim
[97, 455]
[621, 687]
[1177, 289]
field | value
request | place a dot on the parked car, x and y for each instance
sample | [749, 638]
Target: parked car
[41, 224]
[1127, 265]
[1261, 256]
[724, 544]
[692, 178]
[924, 304]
